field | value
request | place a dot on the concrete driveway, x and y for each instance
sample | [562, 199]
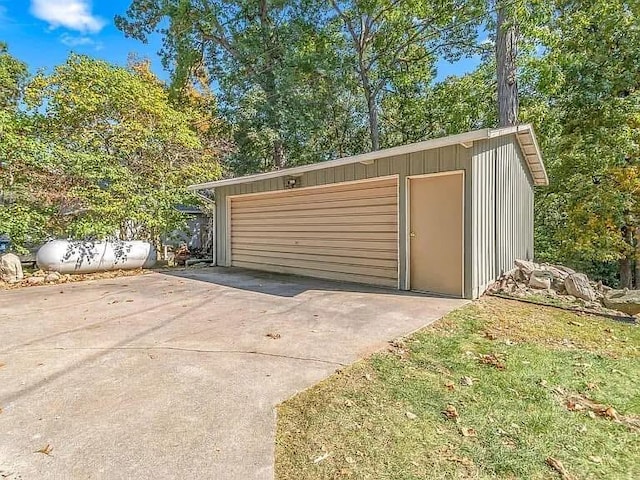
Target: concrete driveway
[166, 376]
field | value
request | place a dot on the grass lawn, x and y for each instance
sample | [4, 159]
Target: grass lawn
[498, 389]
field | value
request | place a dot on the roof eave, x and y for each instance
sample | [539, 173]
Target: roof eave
[524, 134]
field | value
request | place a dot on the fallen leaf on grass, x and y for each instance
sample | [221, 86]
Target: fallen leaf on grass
[368, 377]
[594, 409]
[451, 413]
[468, 432]
[558, 467]
[450, 386]
[574, 406]
[467, 462]
[493, 359]
[411, 415]
[47, 449]
[490, 335]
[274, 336]
[466, 381]
[595, 459]
[575, 324]
[322, 457]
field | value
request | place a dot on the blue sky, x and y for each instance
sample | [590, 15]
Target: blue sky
[42, 33]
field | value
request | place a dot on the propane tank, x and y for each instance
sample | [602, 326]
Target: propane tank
[75, 256]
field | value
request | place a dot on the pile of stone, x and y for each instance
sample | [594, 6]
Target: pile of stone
[564, 286]
[11, 273]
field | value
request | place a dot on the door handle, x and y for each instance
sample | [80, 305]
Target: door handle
[412, 235]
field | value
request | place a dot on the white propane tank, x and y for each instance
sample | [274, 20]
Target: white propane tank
[74, 256]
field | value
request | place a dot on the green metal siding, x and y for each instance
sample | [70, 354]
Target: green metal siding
[438, 160]
[502, 212]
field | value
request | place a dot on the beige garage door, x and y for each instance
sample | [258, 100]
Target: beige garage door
[345, 232]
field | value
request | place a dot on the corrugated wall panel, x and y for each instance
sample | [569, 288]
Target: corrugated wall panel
[502, 210]
[483, 216]
[514, 222]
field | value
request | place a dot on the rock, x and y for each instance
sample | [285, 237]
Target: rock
[627, 301]
[540, 279]
[10, 268]
[525, 266]
[567, 270]
[577, 284]
[35, 280]
[52, 277]
[556, 272]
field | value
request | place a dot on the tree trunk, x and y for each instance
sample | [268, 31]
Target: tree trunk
[506, 55]
[637, 284]
[626, 263]
[278, 154]
[268, 81]
[372, 110]
[626, 279]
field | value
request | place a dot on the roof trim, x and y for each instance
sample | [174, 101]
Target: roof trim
[524, 133]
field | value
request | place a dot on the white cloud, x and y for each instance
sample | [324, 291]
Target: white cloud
[72, 14]
[73, 41]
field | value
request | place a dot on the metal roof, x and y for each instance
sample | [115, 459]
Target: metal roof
[524, 133]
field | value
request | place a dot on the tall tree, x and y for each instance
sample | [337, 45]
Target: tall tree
[591, 78]
[506, 63]
[258, 52]
[25, 162]
[392, 41]
[123, 151]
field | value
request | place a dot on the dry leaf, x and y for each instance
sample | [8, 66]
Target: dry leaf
[273, 336]
[574, 406]
[47, 449]
[348, 403]
[451, 413]
[490, 335]
[574, 323]
[462, 460]
[411, 415]
[466, 381]
[493, 359]
[368, 377]
[322, 457]
[595, 459]
[450, 386]
[592, 386]
[558, 467]
[468, 432]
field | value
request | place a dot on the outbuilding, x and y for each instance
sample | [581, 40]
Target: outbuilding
[446, 216]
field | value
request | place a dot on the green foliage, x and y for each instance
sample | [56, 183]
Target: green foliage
[103, 152]
[592, 210]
